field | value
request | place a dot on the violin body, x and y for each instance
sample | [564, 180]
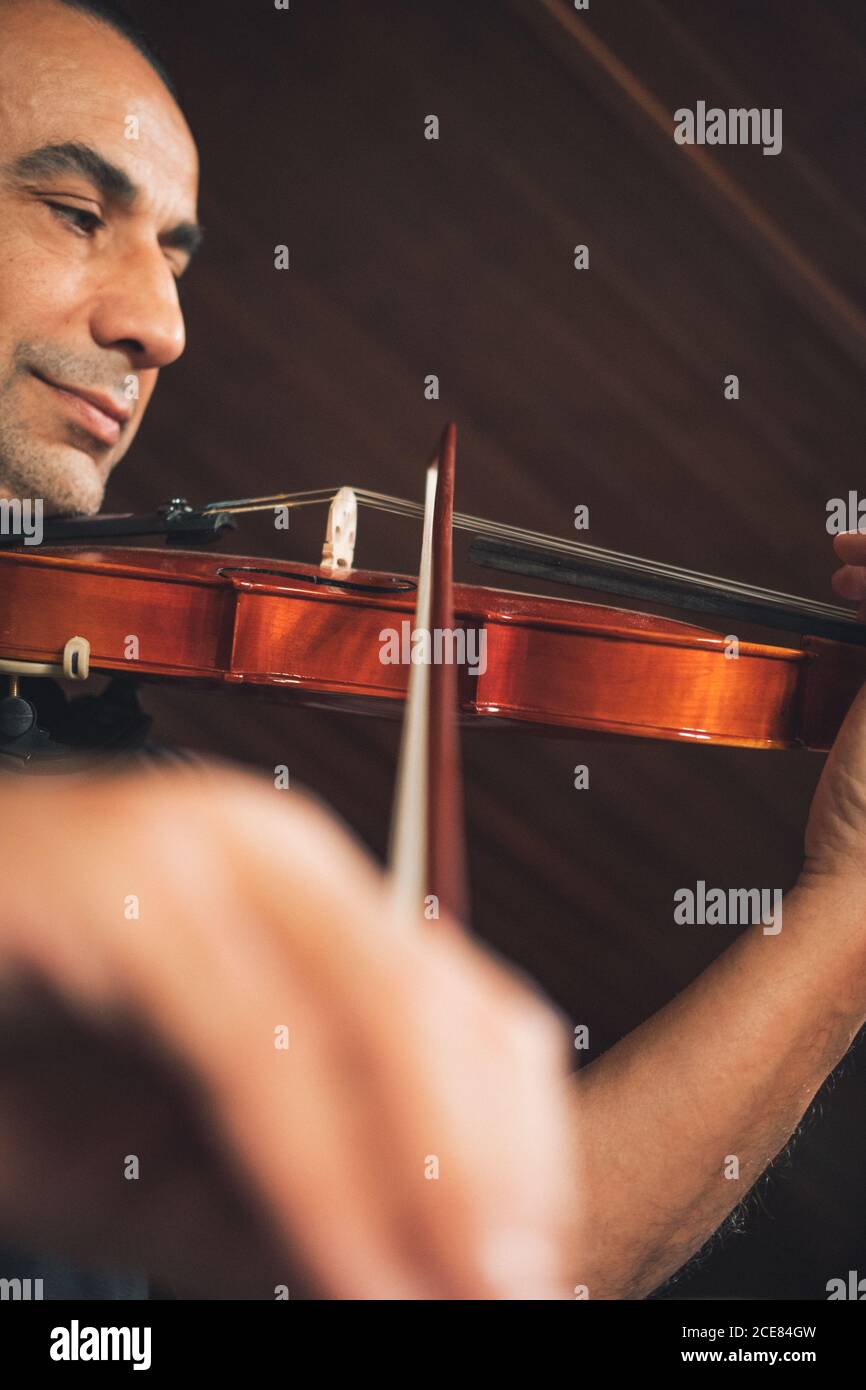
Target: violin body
[295, 631]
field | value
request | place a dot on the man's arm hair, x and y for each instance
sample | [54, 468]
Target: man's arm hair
[724, 1072]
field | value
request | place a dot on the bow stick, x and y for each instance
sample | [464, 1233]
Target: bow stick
[427, 857]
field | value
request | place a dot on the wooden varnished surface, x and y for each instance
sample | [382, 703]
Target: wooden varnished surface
[547, 661]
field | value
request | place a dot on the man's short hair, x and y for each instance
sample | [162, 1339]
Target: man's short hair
[112, 14]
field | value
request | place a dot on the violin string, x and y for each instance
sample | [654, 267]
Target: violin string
[312, 497]
[595, 554]
[653, 570]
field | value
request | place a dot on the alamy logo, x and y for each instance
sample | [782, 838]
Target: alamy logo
[737, 126]
[23, 1290]
[22, 518]
[76, 1343]
[846, 514]
[439, 646]
[734, 907]
[854, 1288]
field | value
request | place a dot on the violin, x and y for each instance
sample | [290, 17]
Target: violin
[314, 634]
[346, 637]
[288, 629]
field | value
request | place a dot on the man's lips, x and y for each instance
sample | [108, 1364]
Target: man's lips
[95, 411]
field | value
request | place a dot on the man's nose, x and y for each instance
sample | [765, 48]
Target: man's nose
[139, 311]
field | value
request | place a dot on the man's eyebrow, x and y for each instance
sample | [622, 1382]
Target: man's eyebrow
[186, 236]
[74, 158]
[113, 183]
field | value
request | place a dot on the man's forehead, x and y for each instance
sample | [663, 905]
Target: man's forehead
[65, 79]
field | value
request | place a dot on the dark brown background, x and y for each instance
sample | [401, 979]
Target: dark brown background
[603, 387]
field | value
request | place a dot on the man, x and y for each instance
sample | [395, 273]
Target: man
[409, 1053]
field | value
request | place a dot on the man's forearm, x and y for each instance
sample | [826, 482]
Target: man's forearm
[723, 1072]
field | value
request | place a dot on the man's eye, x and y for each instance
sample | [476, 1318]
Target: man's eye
[85, 222]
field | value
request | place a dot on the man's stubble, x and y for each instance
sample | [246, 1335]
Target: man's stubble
[62, 473]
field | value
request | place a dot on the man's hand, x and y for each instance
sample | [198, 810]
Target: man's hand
[850, 581]
[410, 1139]
[836, 830]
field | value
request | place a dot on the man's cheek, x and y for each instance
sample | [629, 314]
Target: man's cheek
[36, 289]
[22, 273]
[52, 296]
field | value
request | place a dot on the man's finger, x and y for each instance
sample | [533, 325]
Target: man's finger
[850, 546]
[850, 583]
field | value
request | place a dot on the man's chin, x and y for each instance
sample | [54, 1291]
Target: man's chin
[70, 481]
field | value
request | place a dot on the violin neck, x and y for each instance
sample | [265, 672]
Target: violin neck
[703, 596]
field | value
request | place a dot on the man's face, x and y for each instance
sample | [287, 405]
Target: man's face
[98, 185]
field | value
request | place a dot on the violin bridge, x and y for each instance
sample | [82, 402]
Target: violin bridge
[338, 552]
